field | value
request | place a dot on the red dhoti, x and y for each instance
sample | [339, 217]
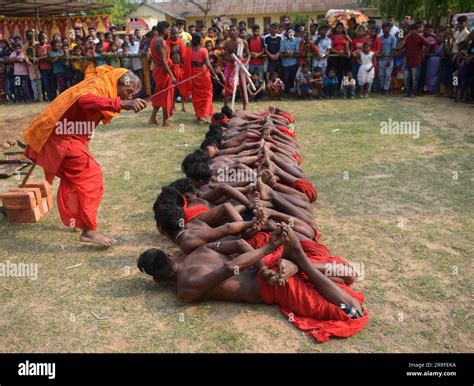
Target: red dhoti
[178, 72]
[310, 311]
[305, 186]
[229, 80]
[165, 99]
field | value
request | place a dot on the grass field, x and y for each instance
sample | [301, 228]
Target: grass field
[399, 205]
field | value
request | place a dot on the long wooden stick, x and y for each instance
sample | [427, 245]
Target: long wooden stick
[244, 69]
[244, 88]
[25, 180]
[175, 85]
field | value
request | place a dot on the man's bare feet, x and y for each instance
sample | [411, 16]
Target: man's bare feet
[153, 121]
[94, 237]
[286, 269]
[166, 123]
[265, 191]
[269, 178]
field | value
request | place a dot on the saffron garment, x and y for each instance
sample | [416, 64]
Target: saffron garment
[200, 87]
[178, 68]
[67, 157]
[305, 186]
[309, 311]
[162, 81]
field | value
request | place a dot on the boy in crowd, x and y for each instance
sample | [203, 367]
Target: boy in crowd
[318, 83]
[275, 86]
[304, 87]
[259, 85]
[330, 83]
[348, 85]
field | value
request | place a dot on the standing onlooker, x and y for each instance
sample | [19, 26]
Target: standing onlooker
[256, 47]
[414, 46]
[356, 48]
[366, 73]
[289, 61]
[20, 73]
[461, 34]
[324, 45]
[394, 30]
[46, 67]
[272, 49]
[340, 47]
[385, 65]
[32, 74]
[58, 65]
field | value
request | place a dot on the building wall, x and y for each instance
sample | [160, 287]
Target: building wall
[150, 15]
[259, 19]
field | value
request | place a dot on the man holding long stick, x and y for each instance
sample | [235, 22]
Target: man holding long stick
[58, 141]
[230, 47]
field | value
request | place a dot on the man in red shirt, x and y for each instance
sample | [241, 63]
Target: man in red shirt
[413, 47]
[256, 51]
[48, 81]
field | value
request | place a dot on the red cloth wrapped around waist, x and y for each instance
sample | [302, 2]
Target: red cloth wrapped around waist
[191, 212]
[259, 239]
[310, 311]
[297, 158]
[305, 186]
[287, 131]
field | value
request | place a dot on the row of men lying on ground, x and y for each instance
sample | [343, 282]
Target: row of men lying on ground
[253, 239]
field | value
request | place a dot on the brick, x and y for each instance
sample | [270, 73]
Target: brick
[45, 188]
[32, 215]
[37, 193]
[18, 200]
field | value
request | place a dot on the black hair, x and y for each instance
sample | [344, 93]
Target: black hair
[155, 262]
[227, 111]
[196, 156]
[196, 39]
[255, 27]
[366, 44]
[219, 116]
[162, 25]
[183, 185]
[462, 19]
[170, 196]
[274, 25]
[385, 25]
[217, 135]
[210, 141]
[413, 27]
[215, 127]
[168, 217]
[124, 44]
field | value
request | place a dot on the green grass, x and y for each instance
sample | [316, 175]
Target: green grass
[416, 302]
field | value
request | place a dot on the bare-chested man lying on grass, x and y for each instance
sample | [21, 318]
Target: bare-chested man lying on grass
[224, 271]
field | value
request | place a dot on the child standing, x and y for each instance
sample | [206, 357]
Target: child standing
[20, 73]
[58, 65]
[366, 70]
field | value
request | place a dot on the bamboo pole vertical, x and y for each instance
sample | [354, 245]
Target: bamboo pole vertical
[39, 85]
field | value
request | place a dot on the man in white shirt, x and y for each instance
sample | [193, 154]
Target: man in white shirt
[461, 34]
[394, 30]
[324, 45]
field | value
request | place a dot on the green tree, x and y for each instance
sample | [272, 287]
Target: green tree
[119, 11]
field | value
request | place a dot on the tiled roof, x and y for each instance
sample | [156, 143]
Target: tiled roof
[254, 7]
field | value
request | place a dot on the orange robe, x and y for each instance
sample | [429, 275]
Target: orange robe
[200, 87]
[162, 81]
[65, 154]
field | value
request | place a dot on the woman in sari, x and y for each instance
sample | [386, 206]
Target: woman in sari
[200, 87]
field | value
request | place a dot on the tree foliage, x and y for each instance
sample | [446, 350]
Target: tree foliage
[119, 11]
[427, 9]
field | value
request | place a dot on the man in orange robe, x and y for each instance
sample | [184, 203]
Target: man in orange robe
[58, 141]
[162, 74]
